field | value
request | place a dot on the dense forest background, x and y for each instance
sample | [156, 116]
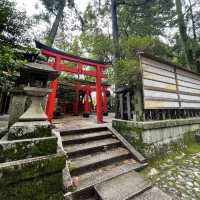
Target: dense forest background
[108, 30]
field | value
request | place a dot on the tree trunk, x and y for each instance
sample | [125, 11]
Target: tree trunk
[193, 21]
[183, 34]
[115, 35]
[54, 28]
[115, 32]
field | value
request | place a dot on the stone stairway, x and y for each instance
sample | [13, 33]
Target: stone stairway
[104, 165]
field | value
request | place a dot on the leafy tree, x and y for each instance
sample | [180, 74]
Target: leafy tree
[55, 8]
[13, 26]
[99, 46]
[183, 34]
[128, 67]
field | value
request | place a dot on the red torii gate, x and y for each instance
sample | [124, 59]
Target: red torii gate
[88, 88]
[60, 56]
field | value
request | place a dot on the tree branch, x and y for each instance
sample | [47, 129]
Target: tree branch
[124, 2]
[80, 18]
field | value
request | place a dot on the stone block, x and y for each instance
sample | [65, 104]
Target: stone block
[17, 107]
[146, 136]
[25, 130]
[27, 148]
[197, 137]
[21, 170]
[158, 135]
[38, 188]
[3, 131]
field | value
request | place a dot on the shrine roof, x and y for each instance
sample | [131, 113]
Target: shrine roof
[122, 89]
[39, 45]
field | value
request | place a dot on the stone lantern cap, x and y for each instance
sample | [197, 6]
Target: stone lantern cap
[39, 71]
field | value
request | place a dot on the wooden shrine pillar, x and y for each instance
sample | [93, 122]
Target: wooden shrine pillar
[128, 101]
[138, 105]
[50, 106]
[86, 104]
[121, 106]
[105, 110]
[99, 112]
[76, 102]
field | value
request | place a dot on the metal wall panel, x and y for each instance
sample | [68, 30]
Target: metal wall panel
[189, 85]
[189, 97]
[159, 94]
[156, 64]
[166, 87]
[188, 90]
[188, 74]
[159, 71]
[149, 104]
[190, 105]
[188, 79]
[159, 85]
[156, 77]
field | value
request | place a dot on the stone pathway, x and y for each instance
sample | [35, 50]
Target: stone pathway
[180, 178]
[75, 122]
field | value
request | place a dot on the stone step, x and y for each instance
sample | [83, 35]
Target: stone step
[81, 197]
[154, 194]
[90, 162]
[83, 137]
[81, 130]
[87, 147]
[122, 187]
[88, 180]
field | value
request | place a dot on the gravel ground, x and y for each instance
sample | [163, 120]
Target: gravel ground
[180, 177]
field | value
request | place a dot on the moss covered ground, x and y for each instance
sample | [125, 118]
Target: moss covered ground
[177, 172]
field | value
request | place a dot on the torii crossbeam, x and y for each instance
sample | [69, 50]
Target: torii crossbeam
[79, 62]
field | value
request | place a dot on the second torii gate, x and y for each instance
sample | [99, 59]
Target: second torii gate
[58, 64]
[88, 87]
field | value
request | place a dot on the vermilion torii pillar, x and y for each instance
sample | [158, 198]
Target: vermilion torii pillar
[80, 62]
[51, 100]
[50, 106]
[86, 104]
[99, 95]
[105, 110]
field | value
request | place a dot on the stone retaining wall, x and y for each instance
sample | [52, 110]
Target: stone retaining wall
[153, 137]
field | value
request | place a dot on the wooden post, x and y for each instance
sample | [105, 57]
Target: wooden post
[121, 106]
[99, 95]
[138, 104]
[128, 101]
[76, 102]
[105, 110]
[86, 103]
[50, 107]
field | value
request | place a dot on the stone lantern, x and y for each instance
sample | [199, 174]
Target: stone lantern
[31, 162]
[35, 77]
